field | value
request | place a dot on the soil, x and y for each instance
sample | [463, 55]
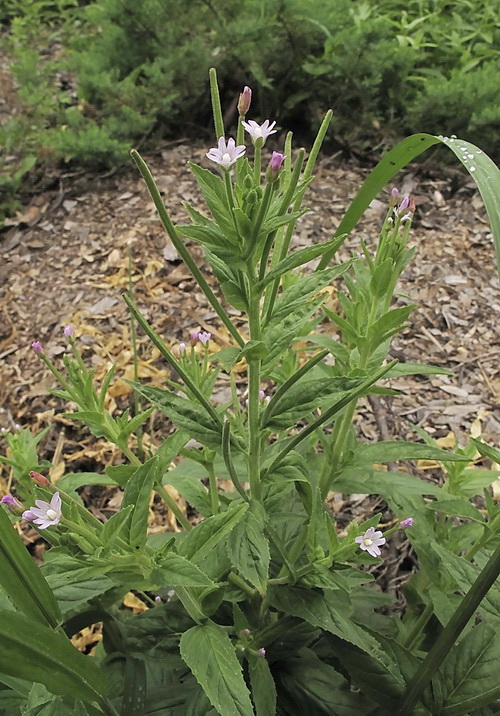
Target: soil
[65, 259]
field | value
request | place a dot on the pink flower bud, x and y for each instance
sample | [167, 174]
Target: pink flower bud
[10, 501]
[245, 632]
[404, 524]
[274, 167]
[194, 338]
[37, 347]
[244, 101]
[68, 331]
[394, 192]
[262, 394]
[261, 652]
[404, 204]
[182, 347]
[28, 516]
[39, 479]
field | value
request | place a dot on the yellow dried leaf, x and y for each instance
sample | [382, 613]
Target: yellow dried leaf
[447, 441]
[134, 603]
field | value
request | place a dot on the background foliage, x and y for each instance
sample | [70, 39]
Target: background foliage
[96, 78]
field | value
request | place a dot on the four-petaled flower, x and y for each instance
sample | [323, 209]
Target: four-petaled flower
[204, 337]
[226, 154]
[371, 541]
[45, 514]
[259, 131]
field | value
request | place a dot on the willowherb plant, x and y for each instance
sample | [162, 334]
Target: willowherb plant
[262, 607]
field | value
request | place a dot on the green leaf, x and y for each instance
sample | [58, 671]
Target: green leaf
[253, 350]
[457, 507]
[297, 258]
[215, 195]
[135, 684]
[469, 675]
[248, 547]
[186, 414]
[120, 474]
[263, 686]
[35, 652]
[176, 571]
[487, 450]
[197, 544]
[22, 580]
[210, 655]
[73, 593]
[483, 170]
[303, 289]
[304, 397]
[137, 494]
[313, 687]
[465, 574]
[227, 357]
[73, 480]
[417, 369]
[327, 611]
[391, 450]
[192, 490]
[117, 527]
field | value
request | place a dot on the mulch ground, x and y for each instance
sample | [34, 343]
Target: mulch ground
[65, 259]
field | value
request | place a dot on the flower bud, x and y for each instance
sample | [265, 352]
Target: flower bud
[274, 167]
[39, 479]
[37, 347]
[11, 501]
[244, 101]
[68, 331]
[404, 524]
[194, 338]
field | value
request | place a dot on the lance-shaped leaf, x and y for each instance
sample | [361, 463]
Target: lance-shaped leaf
[35, 652]
[22, 580]
[248, 547]
[210, 655]
[137, 494]
[389, 450]
[197, 544]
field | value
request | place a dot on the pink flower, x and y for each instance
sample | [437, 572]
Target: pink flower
[406, 523]
[37, 347]
[10, 501]
[68, 331]
[226, 154]
[244, 101]
[259, 131]
[204, 337]
[274, 167]
[45, 514]
[371, 541]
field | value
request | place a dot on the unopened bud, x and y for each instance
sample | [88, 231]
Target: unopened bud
[245, 632]
[404, 524]
[37, 347]
[68, 331]
[244, 101]
[274, 167]
[261, 653]
[39, 479]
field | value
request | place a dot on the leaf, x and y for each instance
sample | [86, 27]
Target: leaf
[210, 655]
[197, 544]
[186, 414]
[176, 571]
[390, 450]
[192, 490]
[327, 611]
[483, 170]
[262, 685]
[22, 580]
[303, 289]
[313, 687]
[297, 258]
[215, 195]
[417, 369]
[134, 692]
[458, 508]
[137, 494]
[469, 675]
[73, 480]
[74, 593]
[35, 652]
[117, 527]
[465, 574]
[248, 547]
[305, 396]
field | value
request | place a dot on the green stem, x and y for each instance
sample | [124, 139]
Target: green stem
[171, 504]
[181, 249]
[328, 414]
[253, 396]
[256, 163]
[226, 453]
[170, 358]
[298, 375]
[235, 579]
[59, 377]
[213, 492]
[133, 336]
[419, 625]
[216, 108]
[445, 641]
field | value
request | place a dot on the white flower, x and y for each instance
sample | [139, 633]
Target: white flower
[259, 131]
[226, 154]
[45, 514]
[371, 541]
